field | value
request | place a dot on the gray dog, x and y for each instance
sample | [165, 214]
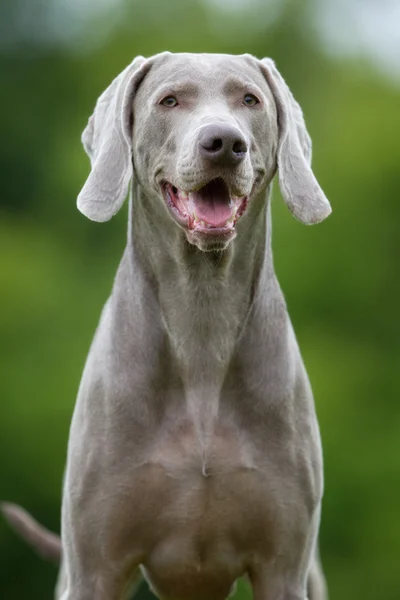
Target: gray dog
[194, 455]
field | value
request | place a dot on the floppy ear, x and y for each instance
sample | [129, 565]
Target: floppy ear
[107, 141]
[299, 188]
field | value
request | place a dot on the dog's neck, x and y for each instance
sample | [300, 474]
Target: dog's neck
[202, 301]
[204, 297]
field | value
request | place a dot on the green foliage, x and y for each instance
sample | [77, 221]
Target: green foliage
[340, 278]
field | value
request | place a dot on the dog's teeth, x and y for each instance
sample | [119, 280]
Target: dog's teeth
[183, 196]
[203, 223]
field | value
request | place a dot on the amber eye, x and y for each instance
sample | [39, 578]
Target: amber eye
[169, 101]
[250, 100]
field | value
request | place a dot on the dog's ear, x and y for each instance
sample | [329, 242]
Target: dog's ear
[299, 187]
[107, 141]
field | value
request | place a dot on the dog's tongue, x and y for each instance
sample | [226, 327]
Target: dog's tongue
[212, 203]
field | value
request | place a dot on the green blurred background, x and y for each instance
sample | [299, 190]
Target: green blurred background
[341, 60]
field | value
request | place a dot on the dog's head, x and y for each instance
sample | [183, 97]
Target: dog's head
[203, 133]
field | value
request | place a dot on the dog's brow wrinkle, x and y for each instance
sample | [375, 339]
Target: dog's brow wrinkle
[233, 84]
[179, 88]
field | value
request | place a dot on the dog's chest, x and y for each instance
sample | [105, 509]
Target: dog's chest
[203, 447]
[211, 510]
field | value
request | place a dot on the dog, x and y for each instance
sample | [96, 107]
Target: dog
[194, 455]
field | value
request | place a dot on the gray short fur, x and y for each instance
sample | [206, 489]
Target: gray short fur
[194, 454]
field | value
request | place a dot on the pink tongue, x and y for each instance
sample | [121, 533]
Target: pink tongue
[212, 203]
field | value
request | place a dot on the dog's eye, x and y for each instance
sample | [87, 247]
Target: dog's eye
[250, 100]
[169, 101]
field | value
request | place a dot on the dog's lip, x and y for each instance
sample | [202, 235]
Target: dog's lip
[181, 206]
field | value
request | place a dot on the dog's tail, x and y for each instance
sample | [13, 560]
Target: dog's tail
[46, 543]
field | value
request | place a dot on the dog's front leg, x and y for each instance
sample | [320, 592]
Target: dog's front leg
[286, 575]
[75, 585]
[316, 585]
[267, 587]
[62, 583]
[97, 564]
[276, 586]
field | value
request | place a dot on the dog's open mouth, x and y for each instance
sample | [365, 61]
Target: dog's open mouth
[209, 210]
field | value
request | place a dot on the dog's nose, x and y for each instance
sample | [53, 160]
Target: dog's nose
[222, 144]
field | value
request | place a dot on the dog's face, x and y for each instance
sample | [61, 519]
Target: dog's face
[202, 134]
[205, 139]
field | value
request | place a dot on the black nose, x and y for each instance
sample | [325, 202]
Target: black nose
[222, 144]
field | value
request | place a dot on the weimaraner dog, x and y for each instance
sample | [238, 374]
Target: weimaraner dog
[194, 455]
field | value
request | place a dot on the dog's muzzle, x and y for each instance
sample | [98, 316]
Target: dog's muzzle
[210, 210]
